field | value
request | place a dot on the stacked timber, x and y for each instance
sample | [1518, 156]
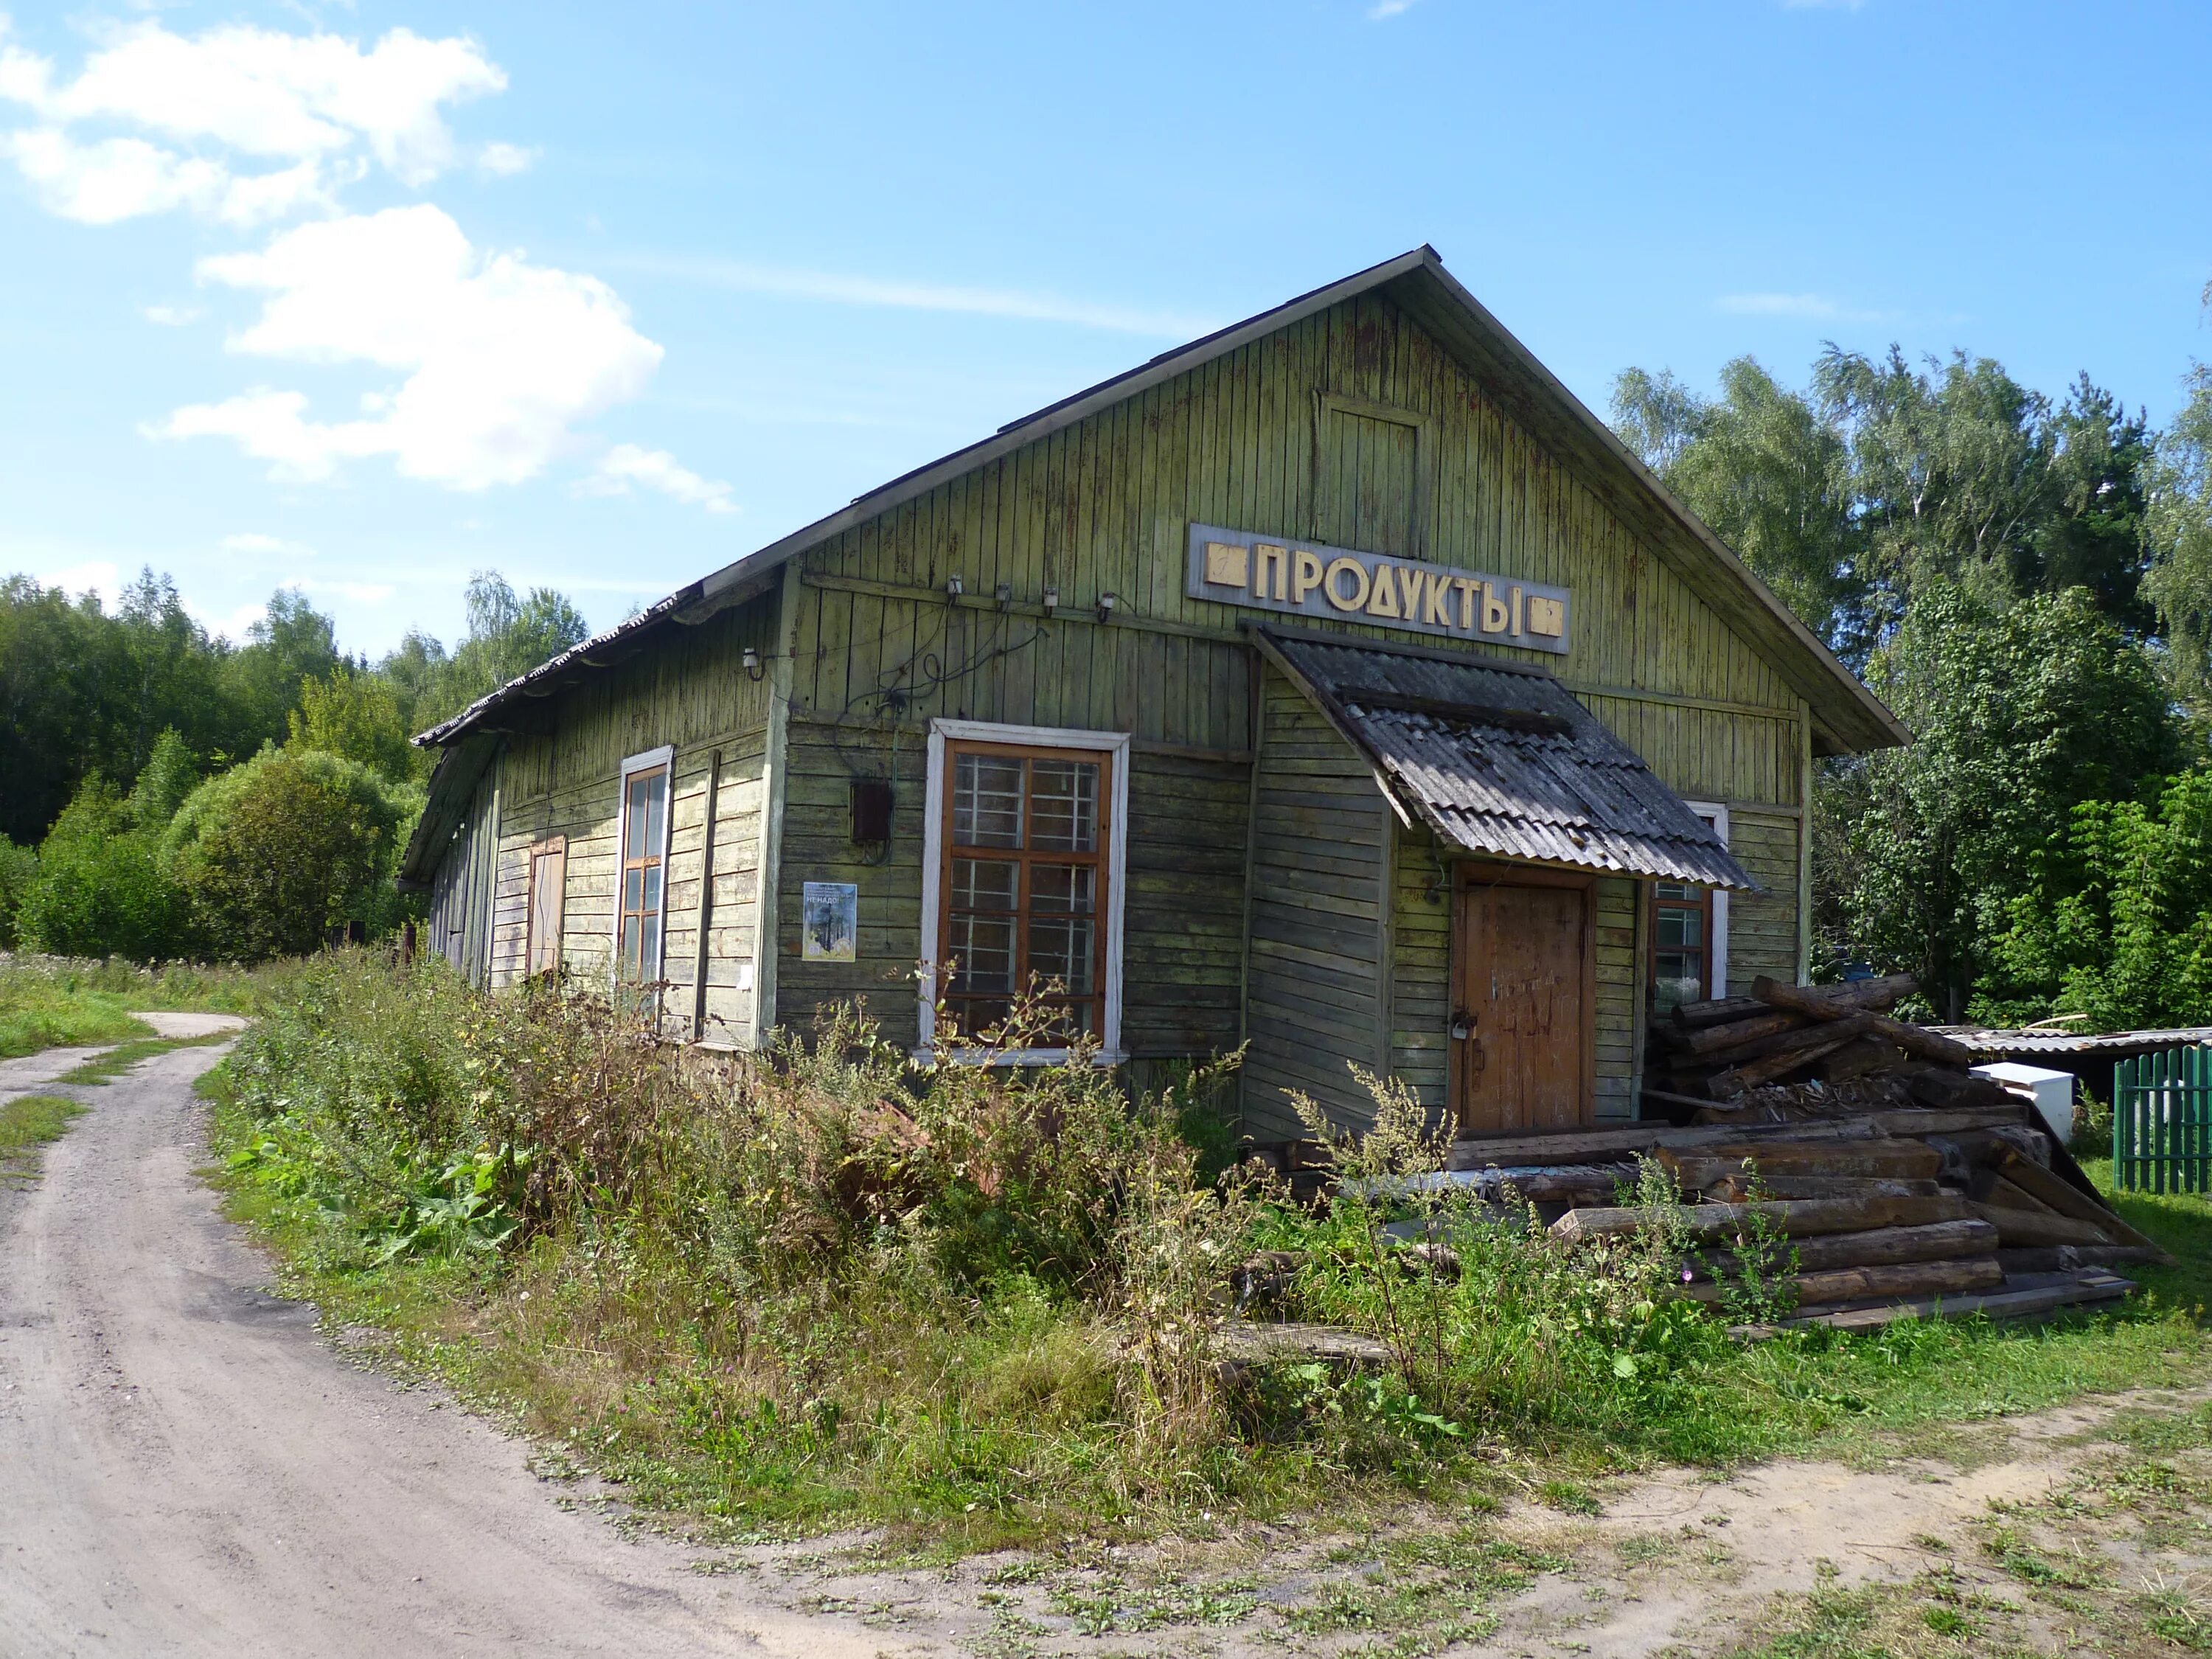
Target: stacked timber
[1882, 1176]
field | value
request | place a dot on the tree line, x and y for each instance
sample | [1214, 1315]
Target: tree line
[169, 794]
[2027, 581]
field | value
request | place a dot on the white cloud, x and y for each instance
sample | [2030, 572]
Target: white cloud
[318, 103]
[500, 356]
[503, 161]
[235, 626]
[172, 316]
[99, 576]
[655, 469]
[1383, 11]
[832, 288]
[1817, 307]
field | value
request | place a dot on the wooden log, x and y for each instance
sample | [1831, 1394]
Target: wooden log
[2065, 1258]
[1797, 1218]
[1582, 1145]
[2017, 1227]
[1957, 1090]
[1800, 1038]
[1752, 1073]
[2030, 1301]
[1867, 1057]
[1892, 1160]
[1694, 1016]
[1877, 994]
[1712, 1039]
[1833, 1001]
[2062, 1195]
[1744, 1186]
[1935, 1242]
[1913, 1039]
[1957, 1275]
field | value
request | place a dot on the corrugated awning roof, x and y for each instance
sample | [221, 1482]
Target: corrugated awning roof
[1501, 760]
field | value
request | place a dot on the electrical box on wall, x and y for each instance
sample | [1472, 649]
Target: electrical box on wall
[872, 810]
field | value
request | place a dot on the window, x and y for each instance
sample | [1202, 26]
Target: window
[1689, 932]
[549, 871]
[644, 858]
[1023, 882]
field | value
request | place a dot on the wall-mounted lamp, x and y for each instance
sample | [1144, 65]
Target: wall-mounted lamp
[752, 662]
[1106, 603]
[1004, 594]
[1051, 600]
[954, 587]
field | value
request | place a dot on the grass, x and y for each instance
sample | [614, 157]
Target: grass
[37, 1013]
[103, 1069]
[28, 1122]
[784, 1301]
[50, 1002]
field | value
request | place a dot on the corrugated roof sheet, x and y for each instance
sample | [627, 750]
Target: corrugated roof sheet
[1502, 760]
[2005, 1045]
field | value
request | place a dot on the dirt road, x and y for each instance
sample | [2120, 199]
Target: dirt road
[185, 1469]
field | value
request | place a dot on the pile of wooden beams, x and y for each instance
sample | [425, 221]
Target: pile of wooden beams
[1749, 1053]
[1968, 1207]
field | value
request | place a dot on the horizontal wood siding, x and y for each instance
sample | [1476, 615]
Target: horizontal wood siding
[1183, 919]
[1620, 993]
[1316, 982]
[822, 759]
[1762, 927]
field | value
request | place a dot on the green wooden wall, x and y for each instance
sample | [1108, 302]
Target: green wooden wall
[691, 694]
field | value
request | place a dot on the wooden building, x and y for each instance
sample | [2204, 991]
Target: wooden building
[1336, 685]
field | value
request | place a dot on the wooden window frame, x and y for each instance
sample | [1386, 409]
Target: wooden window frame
[660, 760]
[1714, 813]
[537, 958]
[1113, 748]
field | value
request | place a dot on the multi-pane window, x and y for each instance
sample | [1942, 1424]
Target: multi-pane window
[1689, 932]
[1024, 880]
[1681, 944]
[645, 826]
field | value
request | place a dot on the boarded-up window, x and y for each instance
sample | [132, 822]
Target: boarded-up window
[1025, 883]
[644, 844]
[1373, 472]
[548, 881]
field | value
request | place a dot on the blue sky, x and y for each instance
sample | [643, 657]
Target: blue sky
[366, 298]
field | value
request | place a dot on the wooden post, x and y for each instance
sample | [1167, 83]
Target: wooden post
[706, 897]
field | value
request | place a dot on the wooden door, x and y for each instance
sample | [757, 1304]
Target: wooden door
[1525, 973]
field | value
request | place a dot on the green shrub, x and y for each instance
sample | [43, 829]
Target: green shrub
[19, 868]
[103, 885]
[276, 851]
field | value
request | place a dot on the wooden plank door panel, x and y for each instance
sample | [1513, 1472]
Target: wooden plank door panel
[1525, 977]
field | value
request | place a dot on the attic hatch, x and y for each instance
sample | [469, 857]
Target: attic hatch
[1375, 462]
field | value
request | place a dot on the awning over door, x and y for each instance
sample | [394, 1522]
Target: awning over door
[1502, 761]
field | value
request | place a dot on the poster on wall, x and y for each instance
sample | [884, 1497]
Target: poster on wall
[829, 921]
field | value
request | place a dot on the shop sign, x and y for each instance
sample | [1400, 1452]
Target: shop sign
[1304, 579]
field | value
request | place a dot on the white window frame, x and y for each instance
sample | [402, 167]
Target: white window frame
[653, 760]
[1112, 744]
[1715, 813]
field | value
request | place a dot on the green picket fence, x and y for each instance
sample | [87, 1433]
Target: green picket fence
[2162, 1121]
